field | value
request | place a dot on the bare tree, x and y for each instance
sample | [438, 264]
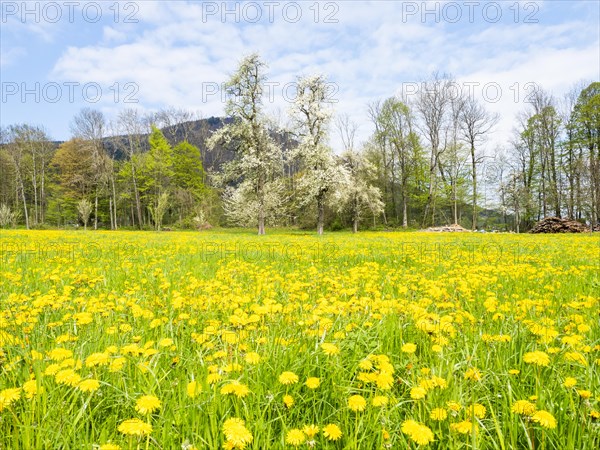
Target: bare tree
[433, 107]
[132, 125]
[90, 125]
[475, 125]
[176, 123]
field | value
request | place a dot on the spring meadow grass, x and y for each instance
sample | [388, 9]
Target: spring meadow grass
[224, 339]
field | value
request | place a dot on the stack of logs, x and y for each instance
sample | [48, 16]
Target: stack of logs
[558, 225]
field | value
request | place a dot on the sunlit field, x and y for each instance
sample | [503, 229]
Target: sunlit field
[124, 340]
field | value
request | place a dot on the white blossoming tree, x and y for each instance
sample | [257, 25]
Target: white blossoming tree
[256, 195]
[357, 193]
[311, 115]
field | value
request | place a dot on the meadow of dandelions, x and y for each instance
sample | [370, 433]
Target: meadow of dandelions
[126, 340]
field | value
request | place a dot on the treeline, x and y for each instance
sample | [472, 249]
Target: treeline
[424, 164]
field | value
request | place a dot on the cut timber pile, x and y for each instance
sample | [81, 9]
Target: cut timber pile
[558, 225]
[447, 228]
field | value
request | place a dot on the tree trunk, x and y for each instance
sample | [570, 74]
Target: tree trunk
[404, 210]
[355, 216]
[474, 200]
[112, 223]
[96, 210]
[24, 205]
[455, 202]
[261, 207]
[261, 223]
[43, 193]
[114, 201]
[321, 214]
[35, 192]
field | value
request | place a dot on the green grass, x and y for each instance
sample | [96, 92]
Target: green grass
[222, 294]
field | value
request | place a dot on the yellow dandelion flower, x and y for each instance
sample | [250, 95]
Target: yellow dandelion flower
[570, 382]
[288, 378]
[464, 427]
[58, 354]
[117, 364]
[252, 358]
[288, 400]
[89, 385]
[473, 374]
[380, 400]
[135, 427]
[147, 404]
[453, 406]
[438, 414]
[8, 397]
[193, 388]
[385, 434]
[417, 432]
[240, 390]
[576, 357]
[477, 410]
[295, 437]
[97, 359]
[212, 378]
[68, 377]
[236, 433]
[310, 430]
[523, 407]
[545, 419]
[312, 382]
[385, 380]
[409, 348]
[357, 403]
[30, 388]
[365, 364]
[584, 394]
[329, 349]
[51, 369]
[418, 393]
[332, 432]
[537, 358]
[165, 342]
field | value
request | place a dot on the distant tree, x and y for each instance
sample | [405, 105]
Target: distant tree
[158, 212]
[394, 128]
[475, 125]
[7, 217]
[311, 115]
[433, 106]
[73, 178]
[29, 150]
[90, 125]
[130, 124]
[84, 208]
[357, 192]
[188, 183]
[257, 165]
[586, 135]
[159, 164]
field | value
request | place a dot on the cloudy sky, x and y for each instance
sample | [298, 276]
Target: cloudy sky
[57, 57]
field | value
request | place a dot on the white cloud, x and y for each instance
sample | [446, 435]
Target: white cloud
[369, 53]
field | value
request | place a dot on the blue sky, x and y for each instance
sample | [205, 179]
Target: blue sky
[177, 53]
